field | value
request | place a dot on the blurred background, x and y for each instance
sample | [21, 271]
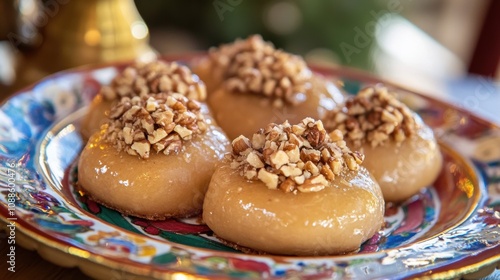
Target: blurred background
[433, 46]
[354, 33]
[413, 42]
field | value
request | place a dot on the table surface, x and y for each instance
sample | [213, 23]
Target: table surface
[29, 265]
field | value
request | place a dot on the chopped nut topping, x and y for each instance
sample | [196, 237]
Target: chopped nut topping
[373, 116]
[142, 79]
[293, 158]
[255, 66]
[155, 123]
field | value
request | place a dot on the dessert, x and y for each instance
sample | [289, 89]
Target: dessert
[153, 158]
[251, 84]
[293, 190]
[142, 79]
[401, 151]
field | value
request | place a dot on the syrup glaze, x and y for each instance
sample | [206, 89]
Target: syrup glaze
[244, 113]
[334, 220]
[403, 169]
[155, 188]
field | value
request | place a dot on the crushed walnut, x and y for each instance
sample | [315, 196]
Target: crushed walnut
[373, 116]
[301, 157]
[160, 123]
[255, 66]
[142, 79]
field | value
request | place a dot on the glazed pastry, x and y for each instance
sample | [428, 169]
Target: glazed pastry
[293, 190]
[401, 151]
[142, 79]
[153, 158]
[251, 84]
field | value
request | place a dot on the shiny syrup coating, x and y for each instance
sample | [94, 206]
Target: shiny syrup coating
[334, 220]
[155, 188]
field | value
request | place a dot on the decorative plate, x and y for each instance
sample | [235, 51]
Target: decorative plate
[447, 230]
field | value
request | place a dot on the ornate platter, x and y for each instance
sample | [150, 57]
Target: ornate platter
[449, 229]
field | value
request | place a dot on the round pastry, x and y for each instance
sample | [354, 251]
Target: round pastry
[293, 190]
[141, 79]
[153, 158]
[401, 151]
[251, 84]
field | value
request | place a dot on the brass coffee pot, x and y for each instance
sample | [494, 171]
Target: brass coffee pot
[72, 33]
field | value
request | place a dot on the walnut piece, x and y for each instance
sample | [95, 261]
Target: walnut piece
[255, 66]
[294, 158]
[142, 79]
[159, 123]
[373, 116]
